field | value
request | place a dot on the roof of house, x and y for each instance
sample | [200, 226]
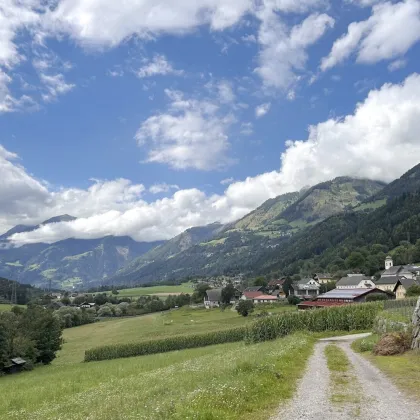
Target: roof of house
[253, 289]
[266, 297]
[323, 275]
[320, 304]
[408, 282]
[252, 295]
[303, 284]
[18, 361]
[348, 293]
[214, 295]
[389, 280]
[352, 280]
[276, 282]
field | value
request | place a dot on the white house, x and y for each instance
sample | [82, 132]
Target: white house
[355, 281]
[213, 298]
[265, 299]
[305, 288]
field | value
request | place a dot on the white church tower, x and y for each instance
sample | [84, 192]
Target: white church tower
[388, 262]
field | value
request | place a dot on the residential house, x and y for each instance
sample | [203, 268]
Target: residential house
[305, 288]
[340, 297]
[402, 285]
[265, 299]
[275, 287]
[388, 283]
[358, 281]
[87, 305]
[252, 292]
[213, 298]
[323, 278]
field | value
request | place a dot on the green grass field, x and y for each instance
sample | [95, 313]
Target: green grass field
[228, 381]
[157, 290]
[6, 307]
[147, 327]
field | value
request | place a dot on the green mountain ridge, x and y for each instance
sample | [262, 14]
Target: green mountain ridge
[235, 248]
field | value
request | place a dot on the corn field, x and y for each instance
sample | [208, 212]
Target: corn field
[343, 318]
[402, 307]
[164, 345]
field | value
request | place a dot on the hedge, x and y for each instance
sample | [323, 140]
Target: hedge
[342, 318]
[164, 345]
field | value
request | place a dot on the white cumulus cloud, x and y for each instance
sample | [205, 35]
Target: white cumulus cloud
[284, 54]
[191, 134]
[262, 109]
[157, 66]
[391, 30]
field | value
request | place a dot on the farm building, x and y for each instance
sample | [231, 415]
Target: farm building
[339, 297]
[15, 365]
[355, 281]
[305, 288]
[265, 299]
[213, 298]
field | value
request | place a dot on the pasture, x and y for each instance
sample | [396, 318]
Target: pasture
[151, 326]
[227, 381]
[157, 290]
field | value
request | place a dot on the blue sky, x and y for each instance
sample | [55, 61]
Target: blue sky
[146, 118]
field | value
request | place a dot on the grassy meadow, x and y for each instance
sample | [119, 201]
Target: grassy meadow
[6, 307]
[227, 381]
[157, 290]
[152, 326]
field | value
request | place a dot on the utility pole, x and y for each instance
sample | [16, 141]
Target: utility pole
[14, 293]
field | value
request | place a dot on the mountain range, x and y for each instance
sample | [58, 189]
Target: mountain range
[293, 227]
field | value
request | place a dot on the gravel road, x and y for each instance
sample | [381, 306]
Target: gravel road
[379, 398]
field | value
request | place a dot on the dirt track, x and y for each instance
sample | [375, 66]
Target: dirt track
[378, 398]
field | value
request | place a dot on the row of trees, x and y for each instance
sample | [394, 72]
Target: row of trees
[33, 334]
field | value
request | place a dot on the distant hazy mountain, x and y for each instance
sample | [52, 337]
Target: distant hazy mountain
[68, 263]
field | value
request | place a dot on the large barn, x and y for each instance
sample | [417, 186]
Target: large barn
[339, 297]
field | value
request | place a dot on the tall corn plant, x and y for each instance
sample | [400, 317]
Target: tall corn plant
[342, 318]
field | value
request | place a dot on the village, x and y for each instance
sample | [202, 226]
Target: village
[394, 282]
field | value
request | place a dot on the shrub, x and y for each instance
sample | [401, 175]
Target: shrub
[164, 345]
[293, 300]
[245, 307]
[105, 310]
[374, 297]
[343, 318]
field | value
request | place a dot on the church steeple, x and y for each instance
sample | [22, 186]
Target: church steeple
[388, 262]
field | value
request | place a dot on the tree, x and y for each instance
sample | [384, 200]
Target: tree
[65, 300]
[373, 297]
[293, 300]
[100, 299]
[44, 329]
[326, 287]
[200, 292]
[260, 281]
[245, 307]
[413, 291]
[228, 293]
[115, 291]
[355, 260]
